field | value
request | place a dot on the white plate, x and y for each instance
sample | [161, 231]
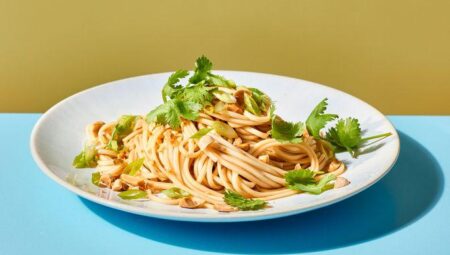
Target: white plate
[59, 135]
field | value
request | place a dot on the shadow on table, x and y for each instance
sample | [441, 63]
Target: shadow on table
[407, 193]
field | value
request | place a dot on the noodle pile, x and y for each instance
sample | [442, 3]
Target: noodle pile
[251, 163]
[213, 144]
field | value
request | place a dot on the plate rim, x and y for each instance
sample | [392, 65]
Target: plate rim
[181, 216]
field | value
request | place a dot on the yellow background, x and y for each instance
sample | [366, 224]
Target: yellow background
[393, 54]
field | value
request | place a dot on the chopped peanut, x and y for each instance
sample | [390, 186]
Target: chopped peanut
[341, 182]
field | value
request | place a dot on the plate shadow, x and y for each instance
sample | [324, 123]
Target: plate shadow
[389, 205]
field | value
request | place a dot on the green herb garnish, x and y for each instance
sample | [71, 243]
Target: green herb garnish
[87, 158]
[261, 99]
[225, 97]
[176, 193]
[224, 129]
[170, 112]
[198, 93]
[286, 132]
[236, 200]
[124, 127]
[171, 88]
[134, 167]
[303, 180]
[346, 136]
[251, 105]
[202, 132]
[203, 67]
[187, 101]
[202, 72]
[318, 119]
[132, 194]
[95, 178]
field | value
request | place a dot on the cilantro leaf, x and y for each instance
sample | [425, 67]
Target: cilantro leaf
[286, 132]
[318, 188]
[202, 132]
[134, 167]
[171, 111]
[176, 193]
[198, 93]
[132, 194]
[318, 119]
[171, 88]
[303, 180]
[87, 158]
[220, 81]
[304, 176]
[188, 109]
[202, 67]
[236, 200]
[346, 135]
[165, 114]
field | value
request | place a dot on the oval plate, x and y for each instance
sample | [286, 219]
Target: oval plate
[59, 135]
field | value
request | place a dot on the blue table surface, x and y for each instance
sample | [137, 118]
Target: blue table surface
[407, 212]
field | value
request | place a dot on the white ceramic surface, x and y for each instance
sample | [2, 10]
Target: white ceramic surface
[59, 135]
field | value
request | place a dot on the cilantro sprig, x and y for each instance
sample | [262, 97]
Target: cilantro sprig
[187, 101]
[236, 200]
[303, 180]
[203, 67]
[202, 72]
[346, 136]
